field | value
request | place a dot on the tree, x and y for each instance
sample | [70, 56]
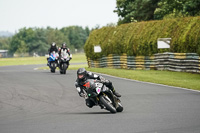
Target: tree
[144, 10]
[55, 35]
[135, 10]
[191, 7]
[22, 49]
[77, 35]
[38, 40]
[5, 42]
[177, 8]
[169, 8]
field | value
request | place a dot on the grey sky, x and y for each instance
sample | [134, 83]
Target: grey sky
[16, 14]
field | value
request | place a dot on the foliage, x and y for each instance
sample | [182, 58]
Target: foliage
[143, 10]
[77, 35]
[177, 8]
[38, 40]
[135, 10]
[4, 42]
[141, 38]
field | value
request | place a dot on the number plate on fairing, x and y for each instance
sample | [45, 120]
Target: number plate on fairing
[98, 87]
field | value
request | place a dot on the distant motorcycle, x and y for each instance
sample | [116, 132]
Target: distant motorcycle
[102, 96]
[53, 61]
[64, 63]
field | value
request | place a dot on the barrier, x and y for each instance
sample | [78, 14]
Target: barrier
[181, 62]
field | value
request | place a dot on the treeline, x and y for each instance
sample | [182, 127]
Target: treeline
[140, 38]
[38, 40]
[145, 10]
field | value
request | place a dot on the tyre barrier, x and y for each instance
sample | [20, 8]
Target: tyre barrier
[181, 62]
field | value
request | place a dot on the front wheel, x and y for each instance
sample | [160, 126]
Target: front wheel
[120, 107]
[64, 68]
[107, 104]
[53, 67]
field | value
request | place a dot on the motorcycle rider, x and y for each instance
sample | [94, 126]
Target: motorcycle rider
[51, 49]
[82, 76]
[64, 49]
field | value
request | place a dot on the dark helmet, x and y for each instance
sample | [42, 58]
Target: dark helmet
[81, 74]
[64, 45]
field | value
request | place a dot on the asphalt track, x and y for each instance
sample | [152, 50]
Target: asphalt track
[37, 101]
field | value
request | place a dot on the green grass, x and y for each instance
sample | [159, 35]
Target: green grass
[178, 79]
[22, 61]
[76, 58]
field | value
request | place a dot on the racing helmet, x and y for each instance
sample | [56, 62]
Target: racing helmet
[81, 74]
[64, 45]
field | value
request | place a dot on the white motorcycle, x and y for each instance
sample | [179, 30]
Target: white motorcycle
[64, 62]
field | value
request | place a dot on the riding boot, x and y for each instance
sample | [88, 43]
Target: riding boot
[115, 93]
[111, 87]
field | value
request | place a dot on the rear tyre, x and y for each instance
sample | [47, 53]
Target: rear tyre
[107, 104]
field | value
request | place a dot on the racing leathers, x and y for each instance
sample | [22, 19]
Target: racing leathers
[89, 75]
[64, 51]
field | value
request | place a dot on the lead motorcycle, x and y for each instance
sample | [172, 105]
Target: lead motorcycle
[53, 61]
[102, 96]
[64, 62]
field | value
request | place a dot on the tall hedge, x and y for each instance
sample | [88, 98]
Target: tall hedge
[141, 38]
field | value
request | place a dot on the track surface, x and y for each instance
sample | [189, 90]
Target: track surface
[37, 101]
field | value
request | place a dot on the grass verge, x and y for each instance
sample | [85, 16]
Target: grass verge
[178, 79]
[77, 58]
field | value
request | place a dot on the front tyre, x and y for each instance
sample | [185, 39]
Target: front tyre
[120, 107]
[61, 68]
[107, 104]
[53, 67]
[64, 68]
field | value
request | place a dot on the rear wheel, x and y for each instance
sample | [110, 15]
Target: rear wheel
[107, 104]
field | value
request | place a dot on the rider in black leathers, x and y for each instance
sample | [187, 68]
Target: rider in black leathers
[51, 49]
[82, 76]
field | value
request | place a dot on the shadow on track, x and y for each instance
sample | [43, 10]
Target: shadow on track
[86, 113]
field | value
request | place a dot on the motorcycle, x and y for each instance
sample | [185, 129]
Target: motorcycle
[102, 96]
[53, 61]
[64, 62]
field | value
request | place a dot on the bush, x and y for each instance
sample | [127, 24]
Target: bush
[141, 38]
